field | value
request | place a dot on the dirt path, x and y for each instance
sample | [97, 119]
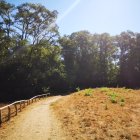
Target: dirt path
[37, 122]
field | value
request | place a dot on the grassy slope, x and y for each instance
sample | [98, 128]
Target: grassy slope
[100, 114]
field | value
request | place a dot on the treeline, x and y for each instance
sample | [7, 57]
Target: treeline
[33, 56]
[94, 60]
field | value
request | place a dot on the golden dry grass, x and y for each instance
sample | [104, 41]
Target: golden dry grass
[92, 115]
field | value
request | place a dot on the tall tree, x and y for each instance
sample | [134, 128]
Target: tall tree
[6, 18]
[131, 65]
[36, 23]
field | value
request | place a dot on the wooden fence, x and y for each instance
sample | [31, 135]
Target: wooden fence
[12, 109]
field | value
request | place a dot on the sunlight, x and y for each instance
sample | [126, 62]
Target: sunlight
[68, 11]
[63, 15]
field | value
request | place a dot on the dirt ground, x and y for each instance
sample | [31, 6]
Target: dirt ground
[100, 114]
[36, 122]
[91, 114]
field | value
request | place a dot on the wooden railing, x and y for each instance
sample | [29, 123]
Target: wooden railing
[12, 109]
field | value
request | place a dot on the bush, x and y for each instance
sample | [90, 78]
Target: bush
[122, 102]
[104, 89]
[88, 92]
[77, 89]
[113, 97]
[46, 89]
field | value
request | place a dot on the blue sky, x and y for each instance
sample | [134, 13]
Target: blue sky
[96, 16]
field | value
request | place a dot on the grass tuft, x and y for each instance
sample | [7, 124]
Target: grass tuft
[88, 92]
[113, 97]
[122, 102]
[104, 89]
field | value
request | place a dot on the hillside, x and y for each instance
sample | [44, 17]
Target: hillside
[100, 114]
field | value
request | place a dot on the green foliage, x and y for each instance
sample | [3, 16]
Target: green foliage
[77, 89]
[113, 100]
[88, 92]
[38, 26]
[46, 89]
[122, 102]
[113, 97]
[104, 89]
[32, 56]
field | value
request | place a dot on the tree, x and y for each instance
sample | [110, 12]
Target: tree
[6, 18]
[89, 59]
[106, 62]
[30, 59]
[35, 22]
[129, 59]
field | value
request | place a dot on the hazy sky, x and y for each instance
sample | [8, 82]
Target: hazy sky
[96, 16]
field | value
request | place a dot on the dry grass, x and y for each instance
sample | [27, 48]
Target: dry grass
[94, 115]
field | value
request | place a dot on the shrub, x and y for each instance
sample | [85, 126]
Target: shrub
[113, 100]
[122, 102]
[88, 92]
[46, 89]
[77, 89]
[113, 97]
[104, 89]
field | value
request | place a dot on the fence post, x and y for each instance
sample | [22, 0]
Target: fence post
[0, 117]
[16, 109]
[24, 104]
[20, 106]
[9, 112]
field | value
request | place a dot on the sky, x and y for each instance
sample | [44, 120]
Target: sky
[96, 16]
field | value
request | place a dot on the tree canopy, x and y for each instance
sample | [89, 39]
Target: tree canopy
[33, 56]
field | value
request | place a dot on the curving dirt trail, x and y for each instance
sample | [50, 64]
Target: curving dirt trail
[36, 122]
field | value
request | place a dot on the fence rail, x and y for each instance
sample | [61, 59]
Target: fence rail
[12, 109]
